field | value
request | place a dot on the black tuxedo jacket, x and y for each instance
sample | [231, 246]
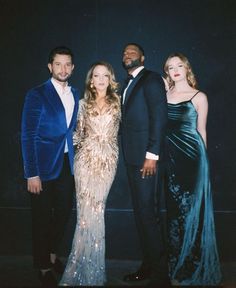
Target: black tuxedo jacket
[144, 117]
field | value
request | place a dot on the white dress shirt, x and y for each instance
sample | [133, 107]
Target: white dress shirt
[67, 100]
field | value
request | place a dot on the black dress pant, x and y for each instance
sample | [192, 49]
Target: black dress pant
[148, 224]
[50, 213]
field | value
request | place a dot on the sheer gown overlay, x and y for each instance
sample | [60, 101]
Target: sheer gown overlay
[94, 170]
[193, 256]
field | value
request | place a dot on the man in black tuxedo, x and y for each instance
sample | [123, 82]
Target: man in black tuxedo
[144, 117]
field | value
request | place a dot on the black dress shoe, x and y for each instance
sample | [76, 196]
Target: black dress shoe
[47, 279]
[140, 275]
[58, 266]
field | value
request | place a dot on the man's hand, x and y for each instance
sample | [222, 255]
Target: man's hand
[149, 168]
[34, 185]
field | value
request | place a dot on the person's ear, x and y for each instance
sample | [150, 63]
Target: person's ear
[50, 67]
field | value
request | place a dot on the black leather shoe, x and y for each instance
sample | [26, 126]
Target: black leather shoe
[140, 275]
[47, 279]
[58, 266]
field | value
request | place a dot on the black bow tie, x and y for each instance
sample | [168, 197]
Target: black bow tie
[129, 77]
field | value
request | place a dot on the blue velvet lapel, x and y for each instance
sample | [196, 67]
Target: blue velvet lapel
[53, 97]
[55, 100]
[76, 98]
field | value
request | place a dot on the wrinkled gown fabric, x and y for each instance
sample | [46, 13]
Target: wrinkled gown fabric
[94, 169]
[192, 249]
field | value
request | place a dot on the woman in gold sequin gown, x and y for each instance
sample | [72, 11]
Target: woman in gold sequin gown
[94, 170]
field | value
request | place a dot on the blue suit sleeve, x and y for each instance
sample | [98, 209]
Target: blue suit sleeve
[29, 130]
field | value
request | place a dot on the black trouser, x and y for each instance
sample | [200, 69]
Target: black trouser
[50, 212]
[148, 226]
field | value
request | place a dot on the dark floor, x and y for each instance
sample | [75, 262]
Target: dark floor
[17, 271]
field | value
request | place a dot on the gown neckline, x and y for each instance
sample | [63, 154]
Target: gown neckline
[189, 100]
[186, 101]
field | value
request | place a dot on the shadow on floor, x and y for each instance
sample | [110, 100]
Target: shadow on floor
[17, 271]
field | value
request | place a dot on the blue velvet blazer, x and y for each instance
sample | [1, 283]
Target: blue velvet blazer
[144, 117]
[44, 132]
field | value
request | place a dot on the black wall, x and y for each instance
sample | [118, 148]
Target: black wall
[98, 29]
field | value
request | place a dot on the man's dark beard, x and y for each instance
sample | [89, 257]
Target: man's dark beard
[132, 64]
[61, 80]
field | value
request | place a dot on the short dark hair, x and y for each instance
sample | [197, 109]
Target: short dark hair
[137, 45]
[62, 50]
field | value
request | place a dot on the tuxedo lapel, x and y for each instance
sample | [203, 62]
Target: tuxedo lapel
[133, 84]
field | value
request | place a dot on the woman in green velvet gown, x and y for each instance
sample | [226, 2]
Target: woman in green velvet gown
[192, 249]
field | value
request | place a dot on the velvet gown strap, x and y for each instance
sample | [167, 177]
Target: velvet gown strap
[194, 95]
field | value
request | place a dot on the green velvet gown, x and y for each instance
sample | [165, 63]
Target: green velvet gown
[192, 249]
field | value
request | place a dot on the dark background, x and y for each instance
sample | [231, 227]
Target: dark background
[203, 30]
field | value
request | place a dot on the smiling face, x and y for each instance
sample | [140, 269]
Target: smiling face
[132, 57]
[61, 68]
[100, 78]
[176, 69]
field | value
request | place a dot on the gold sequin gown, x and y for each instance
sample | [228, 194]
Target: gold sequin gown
[94, 170]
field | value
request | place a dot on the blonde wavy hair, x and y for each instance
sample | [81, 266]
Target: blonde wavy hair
[189, 75]
[90, 92]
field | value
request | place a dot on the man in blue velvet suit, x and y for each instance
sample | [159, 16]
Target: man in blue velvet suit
[144, 117]
[48, 120]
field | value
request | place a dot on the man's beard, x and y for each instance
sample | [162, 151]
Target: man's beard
[132, 64]
[58, 78]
